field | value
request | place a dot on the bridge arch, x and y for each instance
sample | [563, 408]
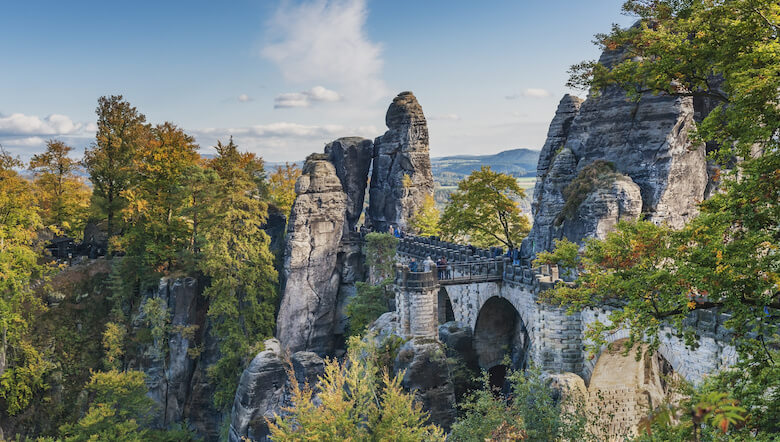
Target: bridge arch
[500, 332]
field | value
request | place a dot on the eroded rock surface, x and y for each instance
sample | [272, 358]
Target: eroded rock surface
[647, 141]
[351, 157]
[264, 390]
[401, 176]
[312, 270]
[177, 381]
[427, 376]
[601, 210]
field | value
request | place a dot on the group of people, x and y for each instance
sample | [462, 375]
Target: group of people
[442, 267]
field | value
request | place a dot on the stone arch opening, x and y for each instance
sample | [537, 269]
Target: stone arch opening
[446, 313]
[500, 333]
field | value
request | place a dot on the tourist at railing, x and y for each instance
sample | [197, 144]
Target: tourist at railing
[413, 265]
[428, 264]
[441, 267]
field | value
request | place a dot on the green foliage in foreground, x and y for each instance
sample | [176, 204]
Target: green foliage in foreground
[119, 411]
[356, 403]
[533, 411]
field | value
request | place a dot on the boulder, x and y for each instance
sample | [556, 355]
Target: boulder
[312, 269]
[402, 175]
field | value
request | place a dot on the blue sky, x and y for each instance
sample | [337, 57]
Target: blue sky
[286, 77]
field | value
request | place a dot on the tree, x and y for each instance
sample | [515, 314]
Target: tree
[355, 403]
[426, 221]
[531, 412]
[119, 411]
[371, 297]
[484, 210]
[62, 195]
[281, 185]
[158, 231]
[236, 256]
[121, 132]
[22, 365]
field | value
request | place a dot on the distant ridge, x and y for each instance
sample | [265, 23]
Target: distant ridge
[519, 163]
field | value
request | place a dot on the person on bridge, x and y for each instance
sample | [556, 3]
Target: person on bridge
[441, 267]
[413, 265]
[428, 264]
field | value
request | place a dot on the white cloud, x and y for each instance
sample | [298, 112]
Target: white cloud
[21, 124]
[244, 98]
[283, 141]
[305, 98]
[531, 93]
[324, 41]
[448, 117]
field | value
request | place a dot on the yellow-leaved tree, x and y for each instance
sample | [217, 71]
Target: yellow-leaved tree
[356, 402]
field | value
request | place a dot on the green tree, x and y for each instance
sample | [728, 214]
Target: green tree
[62, 195]
[22, 365]
[119, 411]
[121, 132]
[237, 259]
[484, 210]
[158, 231]
[355, 403]
[426, 220]
[371, 298]
[532, 411]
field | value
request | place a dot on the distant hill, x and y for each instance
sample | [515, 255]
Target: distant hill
[520, 163]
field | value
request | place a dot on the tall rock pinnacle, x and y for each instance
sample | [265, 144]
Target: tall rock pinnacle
[401, 176]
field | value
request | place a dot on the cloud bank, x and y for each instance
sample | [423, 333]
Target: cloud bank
[325, 42]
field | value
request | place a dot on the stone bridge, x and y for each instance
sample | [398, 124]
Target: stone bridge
[499, 301]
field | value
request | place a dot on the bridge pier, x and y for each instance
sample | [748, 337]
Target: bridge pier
[416, 300]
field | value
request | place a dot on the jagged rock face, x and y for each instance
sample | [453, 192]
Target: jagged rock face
[177, 382]
[401, 176]
[351, 156]
[264, 389]
[647, 141]
[603, 208]
[312, 269]
[427, 375]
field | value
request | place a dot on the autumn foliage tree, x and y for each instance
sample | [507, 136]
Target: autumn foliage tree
[237, 259]
[484, 209]
[110, 160]
[22, 365]
[281, 186]
[62, 195]
[356, 402]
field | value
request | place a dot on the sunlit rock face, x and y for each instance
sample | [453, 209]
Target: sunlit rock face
[312, 269]
[648, 141]
[401, 176]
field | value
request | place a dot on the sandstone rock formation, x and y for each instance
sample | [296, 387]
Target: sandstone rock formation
[647, 141]
[601, 210]
[264, 389]
[311, 266]
[351, 156]
[177, 381]
[401, 176]
[427, 375]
